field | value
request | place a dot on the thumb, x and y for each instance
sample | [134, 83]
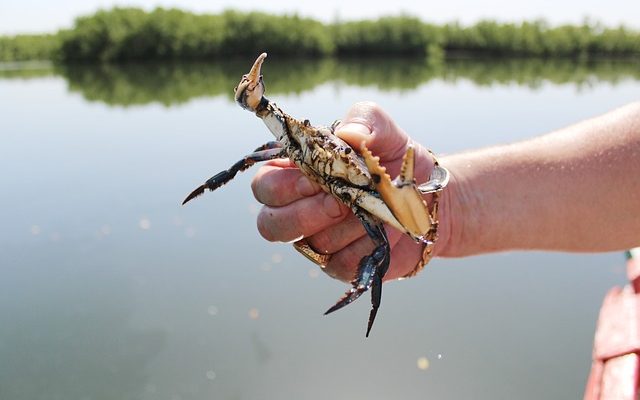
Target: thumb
[369, 123]
[354, 133]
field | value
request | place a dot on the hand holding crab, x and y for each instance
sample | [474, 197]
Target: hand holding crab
[295, 206]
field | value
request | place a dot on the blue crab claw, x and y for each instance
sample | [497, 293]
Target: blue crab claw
[197, 192]
[362, 283]
[348, 298]
[267, 151]
[371, 270]
[212, 184]
[401, 195]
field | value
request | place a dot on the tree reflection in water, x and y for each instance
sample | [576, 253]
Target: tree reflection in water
[175, 83]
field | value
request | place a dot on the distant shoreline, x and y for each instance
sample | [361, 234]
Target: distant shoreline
[130, 34]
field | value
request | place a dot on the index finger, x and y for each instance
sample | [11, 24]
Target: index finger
[276, 186]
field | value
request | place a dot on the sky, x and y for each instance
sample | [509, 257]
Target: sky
[37, 16]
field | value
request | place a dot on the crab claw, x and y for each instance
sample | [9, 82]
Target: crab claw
[371, 270]
[349, 297]
[198, 192]
[249, 91]
[401, 195]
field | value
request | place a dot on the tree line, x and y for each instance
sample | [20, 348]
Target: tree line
[126, 34]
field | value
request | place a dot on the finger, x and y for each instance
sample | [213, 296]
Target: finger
[343, 265]
[404, 258]
[337, 237]
[304, 217]
[276, 186]
[366, 121]
[281, 162]
[355, 131]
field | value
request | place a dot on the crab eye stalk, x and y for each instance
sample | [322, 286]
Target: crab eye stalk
[249, 91]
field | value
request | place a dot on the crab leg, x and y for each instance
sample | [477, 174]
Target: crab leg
[371, 269]
[267, 151]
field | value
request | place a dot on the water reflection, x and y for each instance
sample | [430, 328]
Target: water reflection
[532, 73]
[176, 83]
[261, 349]
[26, 70]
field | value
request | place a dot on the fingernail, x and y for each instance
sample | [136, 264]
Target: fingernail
[354, 133]
[331, 206]
[305, 187]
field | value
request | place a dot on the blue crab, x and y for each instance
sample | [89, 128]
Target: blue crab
[355, 178]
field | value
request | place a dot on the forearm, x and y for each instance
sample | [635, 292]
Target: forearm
[576, 189]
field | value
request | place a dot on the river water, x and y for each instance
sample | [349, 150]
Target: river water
[110, 289]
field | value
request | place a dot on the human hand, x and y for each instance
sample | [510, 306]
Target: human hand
[296, 207]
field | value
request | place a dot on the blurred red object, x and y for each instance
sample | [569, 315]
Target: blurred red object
[616, 348]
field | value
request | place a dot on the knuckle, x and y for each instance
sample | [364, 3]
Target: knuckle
[332, 208]
[303, 220]
[367, 105]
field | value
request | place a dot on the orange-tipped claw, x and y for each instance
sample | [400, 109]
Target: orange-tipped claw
[254, 74]
[249, 91]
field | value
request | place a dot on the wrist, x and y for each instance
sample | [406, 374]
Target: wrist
[443, 216]
[467, 219]
[446, 218]
[476, 216]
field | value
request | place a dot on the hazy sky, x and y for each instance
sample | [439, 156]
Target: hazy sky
[22, 16]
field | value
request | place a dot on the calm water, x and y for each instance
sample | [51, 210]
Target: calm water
[110, 289]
